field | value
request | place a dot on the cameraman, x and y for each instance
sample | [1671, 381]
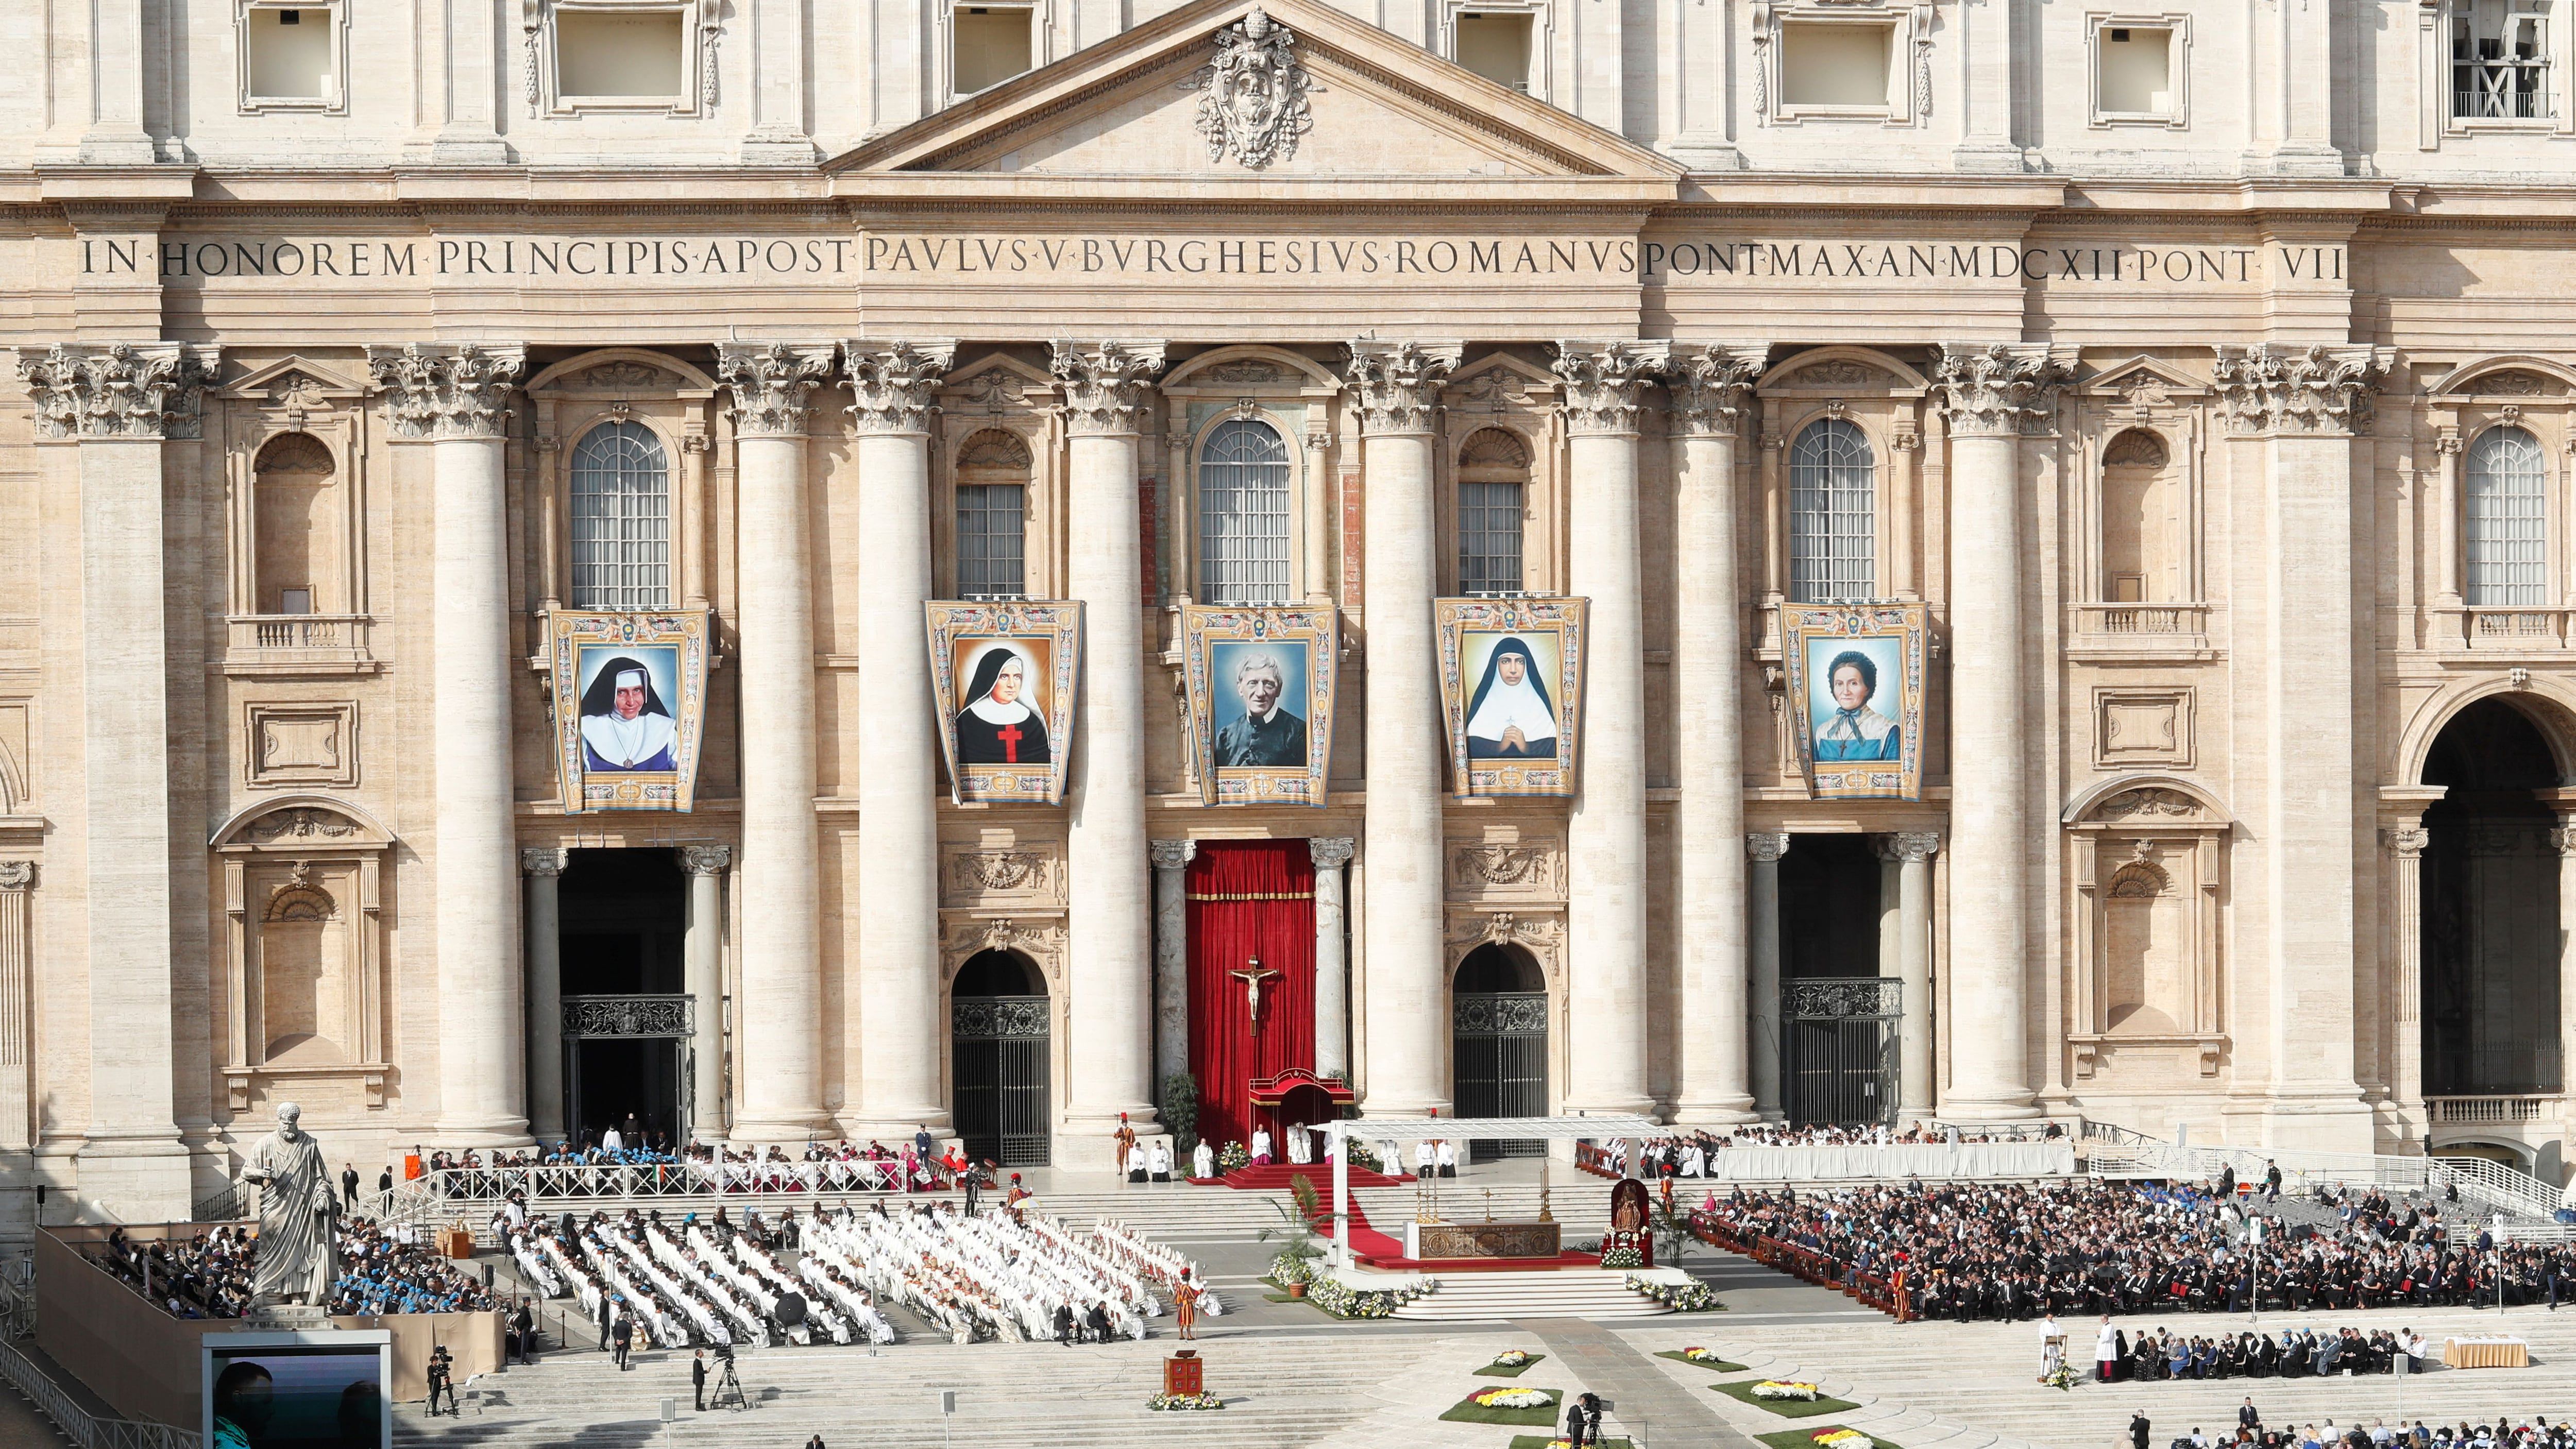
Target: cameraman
[442, 1381]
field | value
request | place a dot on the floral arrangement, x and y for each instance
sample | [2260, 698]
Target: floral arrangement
[1289, 1268]
[1622, 1257]
[2061, 1378]
[1703, 1355]
[1839, 1438]
[1679, 1297]
[1511, 1398]
[1233, 1155]
[1185, 1401]
[1513, 1358]
[1785, 1389]
[1341, 1300]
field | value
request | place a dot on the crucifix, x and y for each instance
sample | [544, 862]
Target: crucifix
[1009, 735]
[1252, 976]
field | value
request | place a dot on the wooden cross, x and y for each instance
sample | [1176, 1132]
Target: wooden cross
[1252, 976]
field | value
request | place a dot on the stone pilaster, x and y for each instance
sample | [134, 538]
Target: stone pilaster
[118, 404]
[17, 1058]
[1171, 959]
[770, 388]
[898, 966]
[1395, 390]
[457, 398]
[1332, 958]
[1606, 388]
[2294, 411]
[2404, 845]
[543, 867]
[1912, 851]
[1110, 941]
[1990, 394]
[1711, 396]
[1762, 1017]
[702, 973]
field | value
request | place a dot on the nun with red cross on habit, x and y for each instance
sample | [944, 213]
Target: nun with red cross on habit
[996, 725]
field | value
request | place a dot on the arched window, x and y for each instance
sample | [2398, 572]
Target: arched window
[1833, 528]
[992, 516]
[1243, 514]
[2141, 539]
[621, 519]
[295, 528]
[2508, 524]
[1493, 490]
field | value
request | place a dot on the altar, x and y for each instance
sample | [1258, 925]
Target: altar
[1427, 1242]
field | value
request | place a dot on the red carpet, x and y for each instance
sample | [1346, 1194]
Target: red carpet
[1275, 1177]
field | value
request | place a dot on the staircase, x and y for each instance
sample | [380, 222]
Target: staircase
[1570, 1293]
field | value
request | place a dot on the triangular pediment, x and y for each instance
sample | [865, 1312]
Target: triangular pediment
[294, 374]
[1376, 107]
[2143, 379]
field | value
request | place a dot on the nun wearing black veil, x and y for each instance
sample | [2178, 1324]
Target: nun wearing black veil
[996, 726]
[1510, 717]
[625, 726]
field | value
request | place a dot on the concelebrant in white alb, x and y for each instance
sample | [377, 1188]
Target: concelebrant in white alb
[1510, 717]
[624, 724]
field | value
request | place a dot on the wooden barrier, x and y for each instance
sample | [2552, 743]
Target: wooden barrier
[1886, 1295]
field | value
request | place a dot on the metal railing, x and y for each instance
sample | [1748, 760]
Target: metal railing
[2489, 1184]
[78, 1424]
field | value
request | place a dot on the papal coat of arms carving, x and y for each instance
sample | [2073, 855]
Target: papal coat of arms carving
[1252, 97]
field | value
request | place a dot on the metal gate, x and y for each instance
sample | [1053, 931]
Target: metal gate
[1841, 1055]
[998, 1053]
[1500, 1043]
[668, 1016]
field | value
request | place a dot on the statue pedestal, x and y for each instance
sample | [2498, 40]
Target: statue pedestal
[285, 1318]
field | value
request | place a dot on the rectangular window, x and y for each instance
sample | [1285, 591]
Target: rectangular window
[2500, 61]
[2135, 70]
[1496, 46]
[1489, 538]
[295, 601]
[1835, 66]
[619, 55]
[992, 532]
[290, 54]
[989, 45]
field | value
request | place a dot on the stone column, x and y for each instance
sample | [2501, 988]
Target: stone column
[1332, 959]
[543, 865]
[781, 1049]
[702, 973]
[2562, 839]
[118, 404]
[1912, 851]
[898, 965]
[1396, 393]
[1171, 960]
[1763, 1015]
[1607, 1007]
[1986, 394]
[17, 1059]
[1109, 945]
[1711, 395]
[2300, 407]
[2405, 846]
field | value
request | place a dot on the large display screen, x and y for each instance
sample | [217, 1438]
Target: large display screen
[296, 1396]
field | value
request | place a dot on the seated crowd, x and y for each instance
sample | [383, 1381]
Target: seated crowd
[2018, 1251]
[2504, 1433]
[1691, 1155]
[214, 1274]
[703, 1168]
[2295, 1353]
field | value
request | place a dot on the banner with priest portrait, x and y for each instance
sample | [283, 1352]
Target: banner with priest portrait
[630, 703]
[1854, 675]
[1511, 688]
[1260, 685]
[1003, 678]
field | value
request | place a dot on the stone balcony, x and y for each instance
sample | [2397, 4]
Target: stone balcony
[259, 644]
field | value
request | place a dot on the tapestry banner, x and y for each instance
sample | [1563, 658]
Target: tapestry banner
[1003, 677]
[1511, 686]
[1855, 691]
[630, 694]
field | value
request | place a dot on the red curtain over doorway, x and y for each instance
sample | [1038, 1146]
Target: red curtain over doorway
[1249, 899]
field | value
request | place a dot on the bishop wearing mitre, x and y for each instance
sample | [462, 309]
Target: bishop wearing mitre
[298, 1215]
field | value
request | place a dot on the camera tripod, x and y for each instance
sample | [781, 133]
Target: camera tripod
[728, 1394]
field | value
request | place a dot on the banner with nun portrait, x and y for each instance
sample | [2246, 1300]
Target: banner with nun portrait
[1003, 676]
[630, 700]
[1511, 687]
[1855, 691]
[1260, 685]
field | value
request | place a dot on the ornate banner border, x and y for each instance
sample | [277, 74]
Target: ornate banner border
[569, 631]
[1908, 624]
[1204, 626]
[1059, 622]
[1559, 618]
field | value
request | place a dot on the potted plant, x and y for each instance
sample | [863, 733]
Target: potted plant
[1294, 1268]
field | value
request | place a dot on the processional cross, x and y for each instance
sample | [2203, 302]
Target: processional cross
[1252, 976]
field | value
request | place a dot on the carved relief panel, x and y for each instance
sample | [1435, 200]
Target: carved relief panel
[1499, 870]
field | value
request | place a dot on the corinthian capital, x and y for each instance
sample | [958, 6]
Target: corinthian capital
[894, 383]
[2271, 389]
[1712, 386]
[447, 391]
[1999, 387]
[1397, 384]
[770, 382]
[1104, 384]
[145, 390]
[1605, 386]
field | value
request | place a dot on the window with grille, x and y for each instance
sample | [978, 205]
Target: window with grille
[621, 519]
[2500, 60]
[992, 534]
[1833, 525]
[1243, 514]
[2508, 534]
[1489, 538]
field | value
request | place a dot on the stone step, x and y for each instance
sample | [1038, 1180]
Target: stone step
[1471, 1297]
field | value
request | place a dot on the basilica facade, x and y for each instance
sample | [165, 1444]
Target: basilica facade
[777, 572]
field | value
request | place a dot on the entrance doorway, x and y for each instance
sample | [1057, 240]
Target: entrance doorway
[1839, 1020]
[998, 1042]
[1499, 1043]
[2490, 910]
[626, 1044]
